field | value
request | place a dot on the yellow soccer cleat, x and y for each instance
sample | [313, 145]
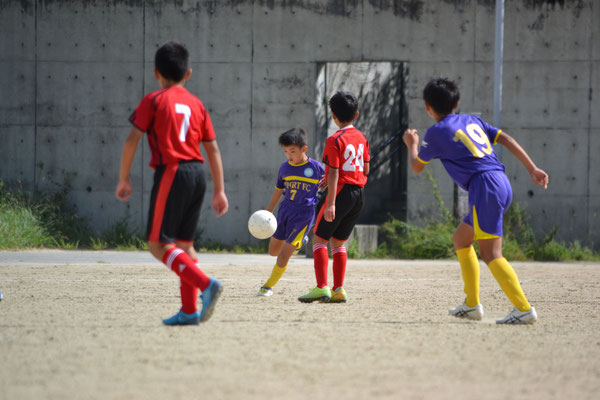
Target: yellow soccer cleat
[338, 296]
[322, 295]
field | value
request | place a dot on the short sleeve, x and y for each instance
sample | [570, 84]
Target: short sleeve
[320, 169]
[331, 155]
[428, 150]
[491, 131]
[143, 115]
[280, 185]
[367, 153]
[208, 132]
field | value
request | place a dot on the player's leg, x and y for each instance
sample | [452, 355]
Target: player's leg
[349, 204]
[338, 252]
[168, 206]
[321, 292]
[491, 252]
[469, 266]
[192, 177]
[285, 252]
[189, 293]
[488, 214]
[322, 233]
[276, 246]
[179, 262]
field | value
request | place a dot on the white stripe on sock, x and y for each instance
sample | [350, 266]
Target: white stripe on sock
[341, 249]
[318, 246]
[172, 257]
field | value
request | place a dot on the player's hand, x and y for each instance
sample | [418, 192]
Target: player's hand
[539, 177]
[411, 137]
[329, 213]
[323, 182]
[220, 203]
[123, 191]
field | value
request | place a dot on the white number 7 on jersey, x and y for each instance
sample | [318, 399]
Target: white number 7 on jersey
[185, 124]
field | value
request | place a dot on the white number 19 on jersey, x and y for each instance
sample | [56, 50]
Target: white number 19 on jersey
[354, 159]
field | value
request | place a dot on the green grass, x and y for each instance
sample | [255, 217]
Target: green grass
[434, 239]
[19, 227]
[47, 220]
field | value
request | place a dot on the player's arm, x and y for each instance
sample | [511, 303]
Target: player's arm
[123, 191]
[277, 193]
[538, 176]
[219, 203]
[332, 181]
[411, 139]
[367, 168]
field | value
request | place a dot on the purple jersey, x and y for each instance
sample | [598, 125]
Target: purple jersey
[300, 182]
[464, 145]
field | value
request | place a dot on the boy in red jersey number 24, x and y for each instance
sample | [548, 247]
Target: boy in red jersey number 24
[346, 158]
[176, 123]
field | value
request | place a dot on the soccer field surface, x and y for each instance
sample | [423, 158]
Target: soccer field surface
[87, 325]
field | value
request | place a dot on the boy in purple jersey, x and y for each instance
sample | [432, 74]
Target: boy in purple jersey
[298, 182]
[464, 145]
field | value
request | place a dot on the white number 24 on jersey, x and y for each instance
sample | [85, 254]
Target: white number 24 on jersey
[354, 159]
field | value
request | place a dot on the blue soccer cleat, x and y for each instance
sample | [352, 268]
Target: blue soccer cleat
[182, 318]
[0, 294]
[209, 298]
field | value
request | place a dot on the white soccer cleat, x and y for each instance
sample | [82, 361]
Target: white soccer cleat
[464, 311]
[265, 292]
[517, 316]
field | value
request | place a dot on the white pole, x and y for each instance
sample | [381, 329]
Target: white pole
[498, 60]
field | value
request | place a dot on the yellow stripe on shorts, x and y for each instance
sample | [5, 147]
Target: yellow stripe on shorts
[479, 233]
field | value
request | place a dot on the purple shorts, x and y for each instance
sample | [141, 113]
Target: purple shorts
[490, 196]
[293, 223]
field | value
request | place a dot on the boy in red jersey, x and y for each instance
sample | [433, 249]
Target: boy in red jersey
[176, 122]
[346, 157]
[463, 143]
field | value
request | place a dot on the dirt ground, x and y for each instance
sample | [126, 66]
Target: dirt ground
[77, 325]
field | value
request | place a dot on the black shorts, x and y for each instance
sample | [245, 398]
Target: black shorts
[348, 204]
[175, 202]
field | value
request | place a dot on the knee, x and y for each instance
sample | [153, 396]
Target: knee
[460, 242]
[156, 249]
[273, 252]
[488, 256]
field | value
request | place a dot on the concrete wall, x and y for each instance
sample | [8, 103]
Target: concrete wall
[71, 72]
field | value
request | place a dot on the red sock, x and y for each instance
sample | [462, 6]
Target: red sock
[339, 266]
[189, 296]
[180, 263]
[321, 258]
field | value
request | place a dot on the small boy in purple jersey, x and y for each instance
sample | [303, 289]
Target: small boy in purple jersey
[298, 182]
[463, 143]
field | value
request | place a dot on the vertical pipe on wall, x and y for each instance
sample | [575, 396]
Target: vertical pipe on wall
[498, 60]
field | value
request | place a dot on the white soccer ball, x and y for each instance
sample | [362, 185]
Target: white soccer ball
[262, 224]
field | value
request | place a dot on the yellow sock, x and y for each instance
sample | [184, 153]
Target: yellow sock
[276, 275]
[469, 266]
[509, 282]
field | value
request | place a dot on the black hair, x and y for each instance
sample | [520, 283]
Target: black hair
[293, 137]
[442, 95]
[172, 60]
[344, 105]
